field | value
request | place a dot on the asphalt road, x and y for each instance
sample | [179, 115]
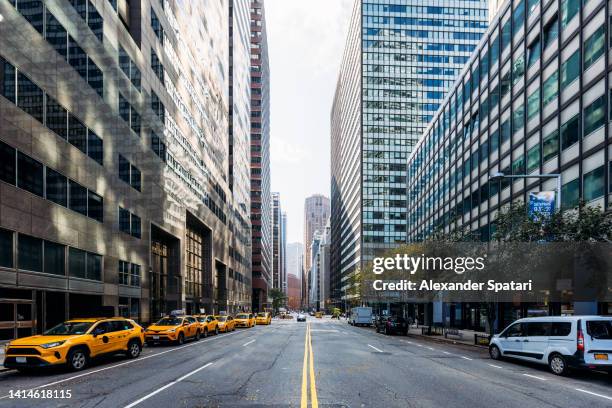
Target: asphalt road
[318, 363]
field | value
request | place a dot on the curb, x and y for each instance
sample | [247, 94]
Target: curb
[442, 340]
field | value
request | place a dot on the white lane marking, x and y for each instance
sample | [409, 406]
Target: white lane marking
[157, 391]
[466, 358]
[324, 330]
[446, 352]
[377, 349]
[248, 342]
[420, 345]
[493, 365]
[594, 393]
[430, 348]
[535, 376]
[127, 362]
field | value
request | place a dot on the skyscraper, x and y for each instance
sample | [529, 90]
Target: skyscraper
[278, 242]
[295, 266]
[115, 147]
[261, 200]
[316, 213]
[399, 60]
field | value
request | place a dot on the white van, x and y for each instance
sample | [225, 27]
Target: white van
[558, 341]
[361, 316]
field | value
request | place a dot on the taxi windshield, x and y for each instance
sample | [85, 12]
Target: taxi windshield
[222, 318]
[242, 316]
[169, 321]
[261, 315]
[69, 328]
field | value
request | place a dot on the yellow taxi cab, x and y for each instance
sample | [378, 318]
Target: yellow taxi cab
[263, 318]
[245, 320]
[173, 329]
[208, 324]
[319, 315]
[75, 342]
[226, 323]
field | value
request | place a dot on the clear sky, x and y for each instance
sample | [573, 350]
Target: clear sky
[306, 41]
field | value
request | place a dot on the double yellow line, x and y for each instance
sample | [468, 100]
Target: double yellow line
[308, 361]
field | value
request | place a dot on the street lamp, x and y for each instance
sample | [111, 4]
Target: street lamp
[496, 177]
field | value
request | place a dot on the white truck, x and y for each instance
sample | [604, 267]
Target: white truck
[361, 316]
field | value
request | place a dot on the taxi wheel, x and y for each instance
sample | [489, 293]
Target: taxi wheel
[77, 359]
[197, 335]
[216, 330]
[181, 339]
[133, 349]
[205, 333]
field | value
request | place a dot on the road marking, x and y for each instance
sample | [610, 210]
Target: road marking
[304, 401]
[248, 342]
[314, 400]
[495, 366]
[377, 349]
[127, 362]
[466, 358]
[594, 393]
[146, 397]
[446, 352]
[430, 348]
[535, 376]
[324, 330]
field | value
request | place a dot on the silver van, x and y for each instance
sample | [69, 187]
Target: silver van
[561, 342]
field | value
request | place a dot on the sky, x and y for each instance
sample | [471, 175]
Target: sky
[306, 41]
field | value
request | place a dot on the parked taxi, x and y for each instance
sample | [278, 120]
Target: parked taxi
[263, 318]
[75, 342]
[226, 323]
[208, 324]
[173, 329]
[245, 320]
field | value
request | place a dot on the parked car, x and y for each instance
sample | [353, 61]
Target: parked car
[391, 325]
[226, 323]
[265, 318]
[173, 329]
[245, 320]
[74, 343]
[301, 317]
[361, 316]
[208, 324]
[561, 342]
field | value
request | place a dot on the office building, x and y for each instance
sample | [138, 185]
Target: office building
[532, 99]
[399, 60]
[115, 192]
[316, 212]
[261, 199]
[294, 265]
[278, 242]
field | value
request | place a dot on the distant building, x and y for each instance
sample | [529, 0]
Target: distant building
[294, 269]
[294, 292]
[316, 212]
[278, 242]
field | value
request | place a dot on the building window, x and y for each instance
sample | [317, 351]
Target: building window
[30, 174]
[129, 68]
[95, 206]
[550, 89]
[54, 256]
[135, 177]
[518, 165]
[594, 184]
[506, 131]
[158, 146]
[570, 193]
[595, 115]
[156, 26]
[570, 69]
[77, 197]
[518, 118]
[129, 114]
[124, 273]
[506, 34]
[518, 17]
[594, 47]
[533, 158]
[57, 118]
[569, 8]
[77, 133]
[85, 265]
[6, 248]
[124, 220]
[534, 52]
[135, 275]
[7, 163]
[29, 97]
[57, 187]
[518, 68]
[533, 104]
[30, 253]
[158, 107]
[136, 229]
[550, 146]
[157, 67]
[551, 31]
[570, 132]
[124, 169]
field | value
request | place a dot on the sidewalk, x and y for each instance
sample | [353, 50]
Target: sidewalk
[453, 336]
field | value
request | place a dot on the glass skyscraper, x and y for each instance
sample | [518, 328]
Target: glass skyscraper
[400, 58]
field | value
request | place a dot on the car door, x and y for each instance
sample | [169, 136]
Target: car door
[511, 340]
[192, 326]
[101, 341]
[536, 341]
[210, 324]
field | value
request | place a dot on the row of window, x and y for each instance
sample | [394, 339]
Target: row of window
[129, 274]
[23, 171]
[129, 68]
[39, 255]
[29, 97]
[56, 35]
[449, 11]
[88, 12]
